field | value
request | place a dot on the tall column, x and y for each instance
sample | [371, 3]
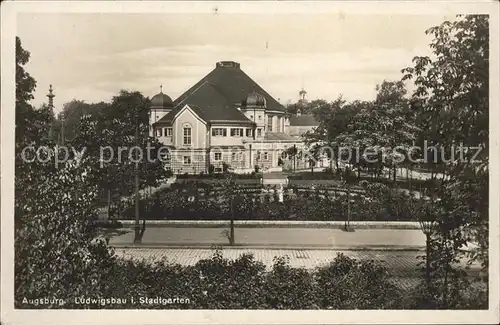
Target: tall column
[51, 96]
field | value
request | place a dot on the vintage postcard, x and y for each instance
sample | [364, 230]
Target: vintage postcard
[249, 162]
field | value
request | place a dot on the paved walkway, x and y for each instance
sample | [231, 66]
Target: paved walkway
[402, 263]
[269, 237]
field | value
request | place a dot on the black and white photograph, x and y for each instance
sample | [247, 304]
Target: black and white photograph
[249, 162]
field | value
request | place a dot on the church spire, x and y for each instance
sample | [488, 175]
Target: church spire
[302, 93]
[51, 96]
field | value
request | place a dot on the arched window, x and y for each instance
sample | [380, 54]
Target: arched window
[186, 134]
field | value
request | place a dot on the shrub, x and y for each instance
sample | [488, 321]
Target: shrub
[350, 284]
[463, 295]
[55, 242]
[228, 284]
[244, 283]
[364, 184]
[290, 288]
[169, 173]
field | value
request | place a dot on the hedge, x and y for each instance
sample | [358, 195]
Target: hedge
[208, 202]
[314, 176]
[244, 283]
[335, 180]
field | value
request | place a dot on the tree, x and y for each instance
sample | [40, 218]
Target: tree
[25, 85]
[334, 120]
[453, 89]
[291, 153]
[68, 121]
[114, 127]
[125, 158]
[305, 108]
[54, 241]
[452, 93]
[348, 129]
[393, 114]
[31, 124]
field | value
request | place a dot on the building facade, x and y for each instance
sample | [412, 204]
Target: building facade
[226, 120]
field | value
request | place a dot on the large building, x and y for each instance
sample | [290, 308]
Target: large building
[226, 118]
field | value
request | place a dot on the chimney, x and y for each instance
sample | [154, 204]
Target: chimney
[227, 64]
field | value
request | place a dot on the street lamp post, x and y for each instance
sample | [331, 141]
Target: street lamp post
[137, 237]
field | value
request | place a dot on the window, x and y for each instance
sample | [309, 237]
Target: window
[259, 132]
[168, 132]
[236, 156]
[266, 156]
[270, 124]
[249, 133]
[260, 117]
[219, 132]
[236, 132]
[187, 136]
[218, 156]
[251, 117]
[187, 160]
[158, 132]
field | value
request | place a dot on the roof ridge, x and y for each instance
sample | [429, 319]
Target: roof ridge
[191, 92]
[263, 91]
[213, 78]
[194, 87]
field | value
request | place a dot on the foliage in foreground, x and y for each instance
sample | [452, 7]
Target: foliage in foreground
[244, 283]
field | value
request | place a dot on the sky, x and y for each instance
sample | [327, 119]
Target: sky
[92, 56]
